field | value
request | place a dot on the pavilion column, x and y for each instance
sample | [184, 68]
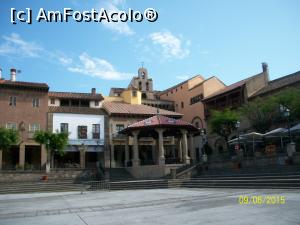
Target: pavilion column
[192, 149]
[126, 151]
[180, 150]
[135, 160]
[43, 156]
[161, 150]
[186, 158]
[0, 159]
[22, 156]
[82, 150]
[154, 158]
[112, 156]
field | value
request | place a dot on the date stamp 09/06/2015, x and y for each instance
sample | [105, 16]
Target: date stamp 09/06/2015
[261, 200]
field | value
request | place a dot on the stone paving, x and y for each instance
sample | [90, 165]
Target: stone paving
[160, 206]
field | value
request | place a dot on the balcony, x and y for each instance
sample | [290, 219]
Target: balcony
[86, 142]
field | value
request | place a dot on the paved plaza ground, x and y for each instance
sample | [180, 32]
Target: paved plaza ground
[147, 207]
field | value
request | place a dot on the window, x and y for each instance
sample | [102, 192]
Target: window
[52, 101]
[119, 127]
[75, 102]
[182, 104]
[35, 102]
[96, 103]
[34, 127]
[12, 126]
[143, 75]
[64, 102]
[12, 100]
[147, 86]
[84, 103]
[140, 85]
[82, 132]
[96, 131]
[64, 128]
[134, 93]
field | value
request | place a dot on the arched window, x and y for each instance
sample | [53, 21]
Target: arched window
[147, 86]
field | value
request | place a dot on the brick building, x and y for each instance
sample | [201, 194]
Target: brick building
[24, 107]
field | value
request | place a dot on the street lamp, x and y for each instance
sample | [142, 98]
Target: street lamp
[286, 113]
[237, 126]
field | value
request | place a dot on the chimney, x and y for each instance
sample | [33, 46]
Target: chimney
[13, 73]
[93, 91]
[265, 67]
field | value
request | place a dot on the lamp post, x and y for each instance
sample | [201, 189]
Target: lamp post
[203, 155]
[237, 126]
[286, 113]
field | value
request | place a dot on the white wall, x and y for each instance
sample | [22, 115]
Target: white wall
[92, 104]
[57, 102]
[75, 120]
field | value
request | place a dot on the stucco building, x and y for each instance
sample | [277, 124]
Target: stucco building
[81, 116]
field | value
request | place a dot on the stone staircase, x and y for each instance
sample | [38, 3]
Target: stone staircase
[33, 187]
[118, 174]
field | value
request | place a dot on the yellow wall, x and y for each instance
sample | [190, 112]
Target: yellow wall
[128, 97]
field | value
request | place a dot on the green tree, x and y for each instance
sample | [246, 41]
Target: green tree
[55, 143]
[8, 137]
[262, 113]
[223, 123]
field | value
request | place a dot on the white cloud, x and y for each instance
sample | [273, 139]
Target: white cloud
[171, 45]
[119, 27]
[14, 45]
[96, 67]
[65, 60]
[182, 77]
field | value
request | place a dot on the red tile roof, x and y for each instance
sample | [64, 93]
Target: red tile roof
[74, 95]
[22, 84]
[279, 83]
[120, 108]
[161, 121]
[231, 87]
[75, 110]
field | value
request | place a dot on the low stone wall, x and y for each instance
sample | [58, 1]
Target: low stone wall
[35, 176]
[151, 171]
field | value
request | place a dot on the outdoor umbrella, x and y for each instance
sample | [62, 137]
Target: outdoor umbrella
[254, 136]
[279, 132]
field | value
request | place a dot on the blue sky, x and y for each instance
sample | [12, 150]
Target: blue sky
[228, 39]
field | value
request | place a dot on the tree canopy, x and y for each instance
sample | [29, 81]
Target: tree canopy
[223, 123]
[263, 112]
[8, 137]
[55, 142]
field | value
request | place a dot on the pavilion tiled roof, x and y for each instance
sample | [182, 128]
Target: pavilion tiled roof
[23, 84]
[161, 122]
[121, 108]
[75, 95]
[280, 83]
[75, 110]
